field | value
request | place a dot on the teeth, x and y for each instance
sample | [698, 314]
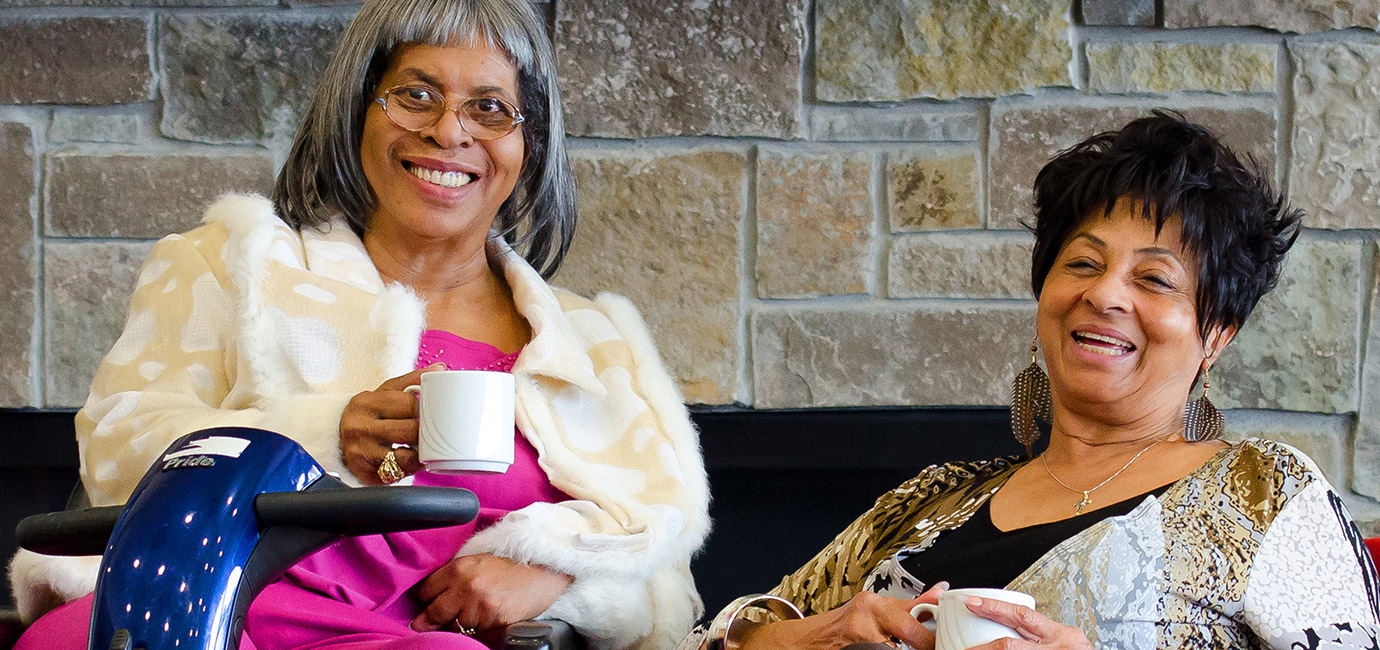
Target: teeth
[444, 179]
[1122, 347]
[1111, 352]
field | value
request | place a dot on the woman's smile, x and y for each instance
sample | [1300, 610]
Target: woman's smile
[1117, 317]
[1102, 344]
[439, 181]
[436, 176]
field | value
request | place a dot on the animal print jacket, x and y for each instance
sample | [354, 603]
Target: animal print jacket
[1253, 549]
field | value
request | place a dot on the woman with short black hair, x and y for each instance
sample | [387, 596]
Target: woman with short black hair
[1136, 527]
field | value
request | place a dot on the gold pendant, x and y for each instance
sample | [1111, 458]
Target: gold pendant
[1087, 501]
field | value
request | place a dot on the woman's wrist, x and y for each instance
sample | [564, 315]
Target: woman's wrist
[745, 617]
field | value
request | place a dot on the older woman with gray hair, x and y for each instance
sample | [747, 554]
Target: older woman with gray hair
[432, 153]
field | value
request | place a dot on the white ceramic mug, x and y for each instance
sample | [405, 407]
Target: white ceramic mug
[466, 421]
[956, 628]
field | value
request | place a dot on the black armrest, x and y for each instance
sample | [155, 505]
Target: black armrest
[542, 635]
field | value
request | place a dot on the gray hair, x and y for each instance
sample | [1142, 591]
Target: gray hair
[323, 175]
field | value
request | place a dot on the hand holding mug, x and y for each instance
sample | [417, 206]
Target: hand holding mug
[1034, 629]
[376, 422]
[958, 627]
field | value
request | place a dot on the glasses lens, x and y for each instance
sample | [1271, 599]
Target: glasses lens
[490, 117]
[413, 107]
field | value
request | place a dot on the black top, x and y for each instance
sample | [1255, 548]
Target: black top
[978, 554]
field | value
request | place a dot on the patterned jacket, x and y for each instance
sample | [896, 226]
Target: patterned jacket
[1253, 549]
[247, 322]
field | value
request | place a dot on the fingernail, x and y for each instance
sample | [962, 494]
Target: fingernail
[438, 364]
[974, 601]
[942, 585]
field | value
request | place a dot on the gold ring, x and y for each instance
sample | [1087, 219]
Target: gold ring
[389, 470]
[467, 631]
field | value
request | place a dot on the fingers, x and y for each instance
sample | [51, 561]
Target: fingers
[931, 595]
[869, 617]
[897, 623]
[375, 422]
[410, 379]
[1030, 624]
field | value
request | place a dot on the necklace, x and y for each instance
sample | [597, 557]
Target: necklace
[1087, 494]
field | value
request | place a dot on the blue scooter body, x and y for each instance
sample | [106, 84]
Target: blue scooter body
[219, 516]
[176, 560]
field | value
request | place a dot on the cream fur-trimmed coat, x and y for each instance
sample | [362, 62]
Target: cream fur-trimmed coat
[247, 322]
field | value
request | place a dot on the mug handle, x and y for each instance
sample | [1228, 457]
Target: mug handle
[415, 389]
[926, 608]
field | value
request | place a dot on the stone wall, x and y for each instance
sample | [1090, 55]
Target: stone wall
[817, 204]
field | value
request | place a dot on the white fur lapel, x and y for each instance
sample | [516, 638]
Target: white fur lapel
[556, 349]
[333, 251]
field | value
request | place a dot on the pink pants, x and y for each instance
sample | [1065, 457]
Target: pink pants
[65, 628]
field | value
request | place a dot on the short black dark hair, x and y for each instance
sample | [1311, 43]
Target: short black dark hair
[1234, 222]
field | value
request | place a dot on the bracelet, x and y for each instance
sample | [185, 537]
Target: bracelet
[721, 631]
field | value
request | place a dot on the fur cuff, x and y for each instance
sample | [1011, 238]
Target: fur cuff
[610, 613]
[551, 535]
[614, 614]
[42, 582]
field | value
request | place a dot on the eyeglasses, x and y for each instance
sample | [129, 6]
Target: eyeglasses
[415, 108]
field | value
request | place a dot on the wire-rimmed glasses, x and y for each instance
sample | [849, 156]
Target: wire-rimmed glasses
[413, 107]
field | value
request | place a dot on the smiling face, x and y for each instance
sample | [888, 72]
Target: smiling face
[440, 182]
[1117, 319]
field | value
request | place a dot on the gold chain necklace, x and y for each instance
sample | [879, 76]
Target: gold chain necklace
[1087, 494]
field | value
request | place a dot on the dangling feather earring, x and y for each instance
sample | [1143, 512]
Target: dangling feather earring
[1030, 401]
[1202, 420]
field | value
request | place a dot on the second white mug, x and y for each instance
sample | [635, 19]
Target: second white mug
[466, 421]
[957, 628]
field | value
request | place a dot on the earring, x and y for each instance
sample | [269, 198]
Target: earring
[1202, 420]
[1030, 401]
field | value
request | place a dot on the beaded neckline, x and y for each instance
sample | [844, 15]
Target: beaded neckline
[435, 344]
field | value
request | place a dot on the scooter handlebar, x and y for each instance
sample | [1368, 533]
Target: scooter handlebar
[70, 532]
[344, 511]
[367, 510]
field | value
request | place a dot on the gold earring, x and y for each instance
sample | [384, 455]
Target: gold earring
[1030, 401]
[1202, 420]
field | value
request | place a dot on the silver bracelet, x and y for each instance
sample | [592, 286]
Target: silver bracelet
[723, 635]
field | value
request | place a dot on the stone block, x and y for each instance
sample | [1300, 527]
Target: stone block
[1281, 15]
[86, 295]
[234, 78]
[960, 265]
[662, 228]
[84, 60]
[85, 126]
[158, 194]
[1323, 437]
[933, 189]
[1297, 352]
[885, 355]
[641, 68]
[1140, 13]
[1366, 458]
[814, 223]
[18, 264]
[1024, 137]
[1365, 512]
[1335, 168]
[1171, 67]
[895, 124]
[888, 51]
[169, 4]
